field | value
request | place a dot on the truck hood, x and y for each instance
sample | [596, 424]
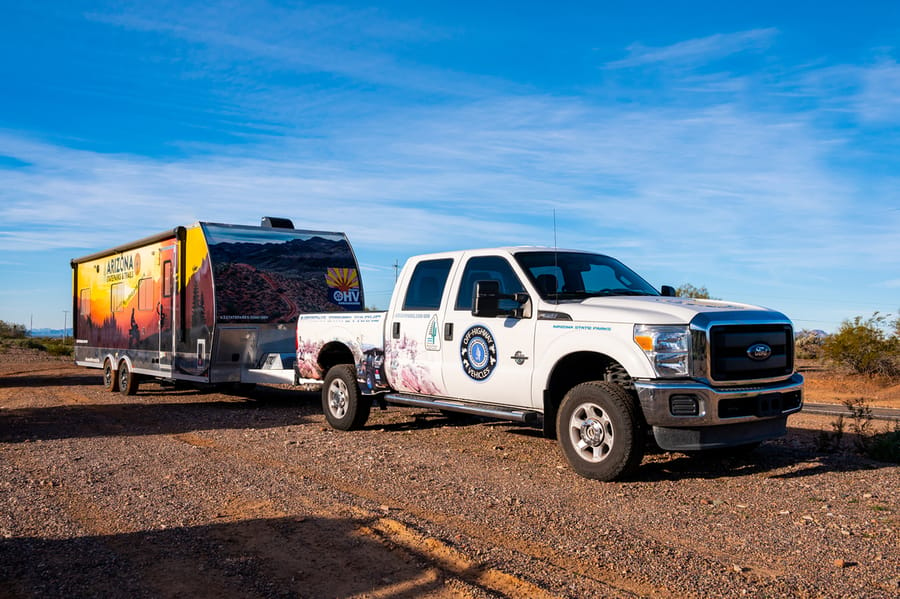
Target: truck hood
[662, 310]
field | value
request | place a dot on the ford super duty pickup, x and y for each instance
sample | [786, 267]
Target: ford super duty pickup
[574, 342]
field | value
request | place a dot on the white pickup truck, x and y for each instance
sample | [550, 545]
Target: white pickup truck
[572, 341]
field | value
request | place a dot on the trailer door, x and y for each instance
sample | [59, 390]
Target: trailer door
[165, 309]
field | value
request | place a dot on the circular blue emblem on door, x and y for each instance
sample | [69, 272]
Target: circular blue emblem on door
[478, 353]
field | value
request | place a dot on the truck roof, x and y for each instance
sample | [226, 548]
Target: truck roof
[504, 250]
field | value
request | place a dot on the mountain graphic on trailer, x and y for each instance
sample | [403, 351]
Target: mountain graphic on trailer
[276, 281]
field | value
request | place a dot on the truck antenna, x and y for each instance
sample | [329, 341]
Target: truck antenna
[555, 246]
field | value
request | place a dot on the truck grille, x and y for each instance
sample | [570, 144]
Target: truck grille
[730, 352]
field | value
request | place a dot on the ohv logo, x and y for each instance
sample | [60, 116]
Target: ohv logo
[478, 353]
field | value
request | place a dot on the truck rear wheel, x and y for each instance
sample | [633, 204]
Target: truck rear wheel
[128, 381]
[345, 408]
[598, 430]
[110, 377]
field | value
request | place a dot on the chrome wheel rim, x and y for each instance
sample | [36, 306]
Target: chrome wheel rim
[337, 398]
[591, 432]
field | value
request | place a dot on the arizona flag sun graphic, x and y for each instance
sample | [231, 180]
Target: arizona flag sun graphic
[342, 279]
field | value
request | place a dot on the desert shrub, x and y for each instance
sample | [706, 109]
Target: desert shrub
[11, 330]
[885, 447]
[688, 290]
[809, 345]
[59, 348]
[864, 347]
[29, 343]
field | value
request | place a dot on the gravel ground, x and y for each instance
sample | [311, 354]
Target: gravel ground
[183, 493]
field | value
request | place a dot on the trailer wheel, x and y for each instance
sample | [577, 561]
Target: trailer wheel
[128, 381]
[598, 430]
[110, 377]
[345, 408]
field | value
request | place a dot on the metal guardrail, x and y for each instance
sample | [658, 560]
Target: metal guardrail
[841, 410]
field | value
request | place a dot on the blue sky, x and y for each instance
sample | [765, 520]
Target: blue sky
[752, 148]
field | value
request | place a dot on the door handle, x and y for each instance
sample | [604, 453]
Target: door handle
[448, 331]
[395, 331]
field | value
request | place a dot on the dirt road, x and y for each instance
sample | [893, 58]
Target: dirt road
[180, 493]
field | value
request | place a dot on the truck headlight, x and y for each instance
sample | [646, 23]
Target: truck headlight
[668, 348]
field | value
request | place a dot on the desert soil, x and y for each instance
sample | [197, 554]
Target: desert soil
[828, 386]
[184, 493]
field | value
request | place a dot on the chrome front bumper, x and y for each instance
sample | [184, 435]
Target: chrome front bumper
[666, 403]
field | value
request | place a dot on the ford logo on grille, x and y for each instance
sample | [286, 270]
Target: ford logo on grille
[759, 352]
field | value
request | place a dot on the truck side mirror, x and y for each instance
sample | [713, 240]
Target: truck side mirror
[487, 299]
[668, 291]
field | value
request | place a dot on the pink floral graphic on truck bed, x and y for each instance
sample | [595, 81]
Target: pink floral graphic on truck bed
[411, 375]
[307, 359]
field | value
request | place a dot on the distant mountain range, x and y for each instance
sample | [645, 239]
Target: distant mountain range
[812, 333]
[51, 333]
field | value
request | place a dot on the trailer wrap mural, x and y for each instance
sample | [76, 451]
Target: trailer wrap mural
[272, 276]
[124, 300]
[160, 301]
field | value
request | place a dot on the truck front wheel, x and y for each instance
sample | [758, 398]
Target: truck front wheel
[345, 408]
[598, 430]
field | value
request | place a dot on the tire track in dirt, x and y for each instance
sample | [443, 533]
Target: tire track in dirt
[443, 561]
[435, 550]
[156, 570]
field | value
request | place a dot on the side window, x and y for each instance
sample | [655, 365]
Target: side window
[167, 279]
[118, 296]
[426, 286]
[488, 268]
[84, 303]
[145, 294]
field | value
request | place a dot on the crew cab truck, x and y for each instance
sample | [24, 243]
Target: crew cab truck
[571, 341]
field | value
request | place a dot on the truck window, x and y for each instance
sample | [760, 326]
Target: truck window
[426, 286]
[488, 268]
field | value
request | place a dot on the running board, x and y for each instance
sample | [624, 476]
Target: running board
[499, 412]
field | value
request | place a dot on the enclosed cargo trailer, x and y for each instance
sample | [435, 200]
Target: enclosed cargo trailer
[208, 303]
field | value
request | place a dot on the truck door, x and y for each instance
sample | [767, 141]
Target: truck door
[165, 308]
[488, 360]
[414, 342]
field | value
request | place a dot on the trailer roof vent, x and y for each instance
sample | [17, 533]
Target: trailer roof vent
[275, 222]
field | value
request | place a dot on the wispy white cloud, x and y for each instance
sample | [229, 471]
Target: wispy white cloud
[711, 183]
[697, 51]
[879, 98]
[361, 45]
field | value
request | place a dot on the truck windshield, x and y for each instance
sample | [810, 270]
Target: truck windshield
[575, 275]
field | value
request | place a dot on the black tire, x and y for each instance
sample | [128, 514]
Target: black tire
[344, 406]
[599, 431]
[128, 381]
[110, 377]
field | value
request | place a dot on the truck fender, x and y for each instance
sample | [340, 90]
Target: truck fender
[575, 358]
